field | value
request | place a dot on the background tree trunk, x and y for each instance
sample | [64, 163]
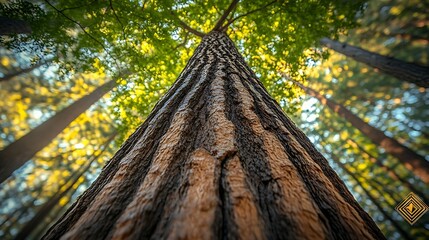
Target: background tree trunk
[216, 158]
[47, 207]
[411, 160]
[19, 152]
[9, 76]
[399, 69]
[10, 26]
[373, 199]
[390, 171]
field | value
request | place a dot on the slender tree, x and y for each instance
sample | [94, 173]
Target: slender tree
[9, 76]
[9, 26]
[70, 184]
[389, 170]
[402, 70]
[19, 152]
[216, 158]
[411, 160]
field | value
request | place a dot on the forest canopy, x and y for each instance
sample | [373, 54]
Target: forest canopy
[58, 52]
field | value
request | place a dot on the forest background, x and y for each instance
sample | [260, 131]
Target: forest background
[139, 48]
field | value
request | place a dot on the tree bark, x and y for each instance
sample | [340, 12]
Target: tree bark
[10, 26]
[215, 159]
[410, 159]
[373, 199]
[19, 152]
[399, 69]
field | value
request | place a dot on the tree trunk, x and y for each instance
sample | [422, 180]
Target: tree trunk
[10, 26]
[19, 152]
[373, 199]
[215, 159]
[9, 76]
[47, 207]
[399, 69]
[411, 160]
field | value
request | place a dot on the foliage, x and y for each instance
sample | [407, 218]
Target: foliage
[148, 43]
[395, 107]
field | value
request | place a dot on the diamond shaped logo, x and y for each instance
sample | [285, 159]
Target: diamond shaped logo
[412, 208]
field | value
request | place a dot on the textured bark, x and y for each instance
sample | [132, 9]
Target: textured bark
[10, 26]
[216, 159]
[374, 200]
[410, 159]
[399, 69]
[19, 152]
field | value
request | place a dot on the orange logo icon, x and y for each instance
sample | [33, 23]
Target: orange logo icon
[412, 208]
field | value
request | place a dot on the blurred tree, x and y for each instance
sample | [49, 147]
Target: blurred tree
[374, 199]
[9, 76]
[69, 185]
[10, 26]
[22, 150]
[402, 70]
[408, 157]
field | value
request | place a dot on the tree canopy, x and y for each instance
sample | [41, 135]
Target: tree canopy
[143, 45]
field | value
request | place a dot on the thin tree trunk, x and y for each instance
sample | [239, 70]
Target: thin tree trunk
[9, 76]
[373, 199]
[390, 171]
[19, 152]
[10, 26]
[10, 220]
[47, 207]
[216, 158]
[399, 69]
[410, 159]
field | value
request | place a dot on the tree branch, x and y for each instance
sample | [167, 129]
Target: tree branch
[225, 15]
[224, 27]
[117, 18]
[189, 29]
[86, 32]
[183, 43]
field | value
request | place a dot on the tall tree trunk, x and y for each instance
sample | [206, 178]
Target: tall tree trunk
[410, 159]
[216, 158]
[9, 76]
[47, 207]
[10, 26]
[373, 199]
[399, 69]
[19, 152]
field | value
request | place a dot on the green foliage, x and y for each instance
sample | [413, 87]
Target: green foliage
[393, 106]
[148, 40]
[145, 44]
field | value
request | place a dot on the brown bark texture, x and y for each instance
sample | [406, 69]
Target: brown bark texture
[216, 159]
[409, 158]
[19, 152]
[399, 69]
[374, 200]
